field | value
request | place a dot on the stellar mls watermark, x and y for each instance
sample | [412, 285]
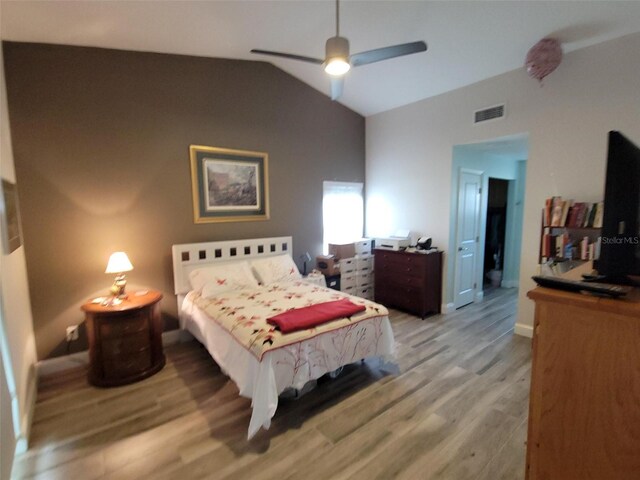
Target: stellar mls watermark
[627, 240]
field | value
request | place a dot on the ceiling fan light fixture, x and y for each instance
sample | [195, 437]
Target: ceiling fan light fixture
[338, 61]
[337, 66]
[337, 56]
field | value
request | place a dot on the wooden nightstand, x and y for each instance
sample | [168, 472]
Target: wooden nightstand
[125, 341]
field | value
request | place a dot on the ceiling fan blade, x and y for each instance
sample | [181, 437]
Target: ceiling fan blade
[336, 87]
[372, 56]
[289, 55]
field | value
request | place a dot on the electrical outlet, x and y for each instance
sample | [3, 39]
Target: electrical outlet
[72, 333]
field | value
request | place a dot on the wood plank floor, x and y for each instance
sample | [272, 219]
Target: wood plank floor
[457, 409]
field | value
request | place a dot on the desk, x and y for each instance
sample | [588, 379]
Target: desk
[584, 408]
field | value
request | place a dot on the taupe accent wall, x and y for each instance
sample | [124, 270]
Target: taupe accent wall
[101, 145]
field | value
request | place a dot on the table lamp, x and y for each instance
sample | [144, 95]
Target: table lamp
[305, 257]
[119, 264]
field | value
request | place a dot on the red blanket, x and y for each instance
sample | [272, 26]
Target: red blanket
[307, 317]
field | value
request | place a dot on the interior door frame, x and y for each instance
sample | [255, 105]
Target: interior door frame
[456, 278]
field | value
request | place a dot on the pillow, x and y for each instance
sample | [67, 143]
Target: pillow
[222, 278]
[279, 268]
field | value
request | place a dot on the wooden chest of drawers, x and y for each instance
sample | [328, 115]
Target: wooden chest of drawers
[409, 281]
[125, 341]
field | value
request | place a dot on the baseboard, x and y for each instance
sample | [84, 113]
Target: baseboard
[523, 330]
[510, 283]
[447, 308]
[66, 362]
[81, 359]
[175, 336]
[22, 442]
[479, 296]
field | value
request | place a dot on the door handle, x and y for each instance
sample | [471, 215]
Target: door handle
[460, 249]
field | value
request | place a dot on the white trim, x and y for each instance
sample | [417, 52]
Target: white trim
[510, 283]
[22, 441]
[81, 359]
[479, 296]
[59, 364]
[175, 336]
[447, 308]
[523, 330]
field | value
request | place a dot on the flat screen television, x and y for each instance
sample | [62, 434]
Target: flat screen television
[619, 260]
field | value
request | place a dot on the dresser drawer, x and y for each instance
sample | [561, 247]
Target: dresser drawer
[393, 260]
[125, 365]
[124, 325]
[364, 279]
[399, 280]
[404, 298]
[401, 271]
[363, 247]
[364, 292]
[125, 345]
[347, 266]
[347, 281]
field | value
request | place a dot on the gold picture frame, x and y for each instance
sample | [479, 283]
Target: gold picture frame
[229, 185]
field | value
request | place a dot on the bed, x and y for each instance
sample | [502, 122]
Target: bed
[231, 324]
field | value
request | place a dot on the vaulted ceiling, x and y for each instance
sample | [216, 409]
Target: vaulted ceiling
[468, 40]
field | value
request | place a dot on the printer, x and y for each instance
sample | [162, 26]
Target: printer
[398, 241]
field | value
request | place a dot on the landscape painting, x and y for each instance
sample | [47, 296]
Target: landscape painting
[231, 185]
[228, 185]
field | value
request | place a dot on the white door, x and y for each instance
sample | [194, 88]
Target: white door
[467, 236]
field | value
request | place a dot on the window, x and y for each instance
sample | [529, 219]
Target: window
[342, 212]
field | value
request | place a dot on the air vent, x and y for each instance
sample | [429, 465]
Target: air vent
[491, 113]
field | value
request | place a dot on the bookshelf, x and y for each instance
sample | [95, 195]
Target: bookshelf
[570, 230]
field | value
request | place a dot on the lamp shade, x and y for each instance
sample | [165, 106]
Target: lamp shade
[118, 263]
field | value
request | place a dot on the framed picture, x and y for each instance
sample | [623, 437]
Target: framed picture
[229, 185]
[11, 228]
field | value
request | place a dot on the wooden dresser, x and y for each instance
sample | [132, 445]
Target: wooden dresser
[125, 341]
[584, 409]
[409, 281]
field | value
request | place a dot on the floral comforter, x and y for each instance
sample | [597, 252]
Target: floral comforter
[244, 313]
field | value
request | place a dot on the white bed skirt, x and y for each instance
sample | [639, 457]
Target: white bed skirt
[291, 366]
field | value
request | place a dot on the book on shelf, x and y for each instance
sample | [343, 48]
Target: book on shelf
[546, 213]
[556, 211]
[563, 235]
[566, 205]
[597, 219]
[563, 247]
[569, 214]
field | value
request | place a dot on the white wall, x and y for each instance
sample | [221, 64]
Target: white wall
[16, 319]
[409, 149]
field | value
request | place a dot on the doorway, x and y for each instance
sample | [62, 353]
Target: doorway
[501, 166]
[494, 240]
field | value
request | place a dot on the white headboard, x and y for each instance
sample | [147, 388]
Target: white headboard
[189, 256]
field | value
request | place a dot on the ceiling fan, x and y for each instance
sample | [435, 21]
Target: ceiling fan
[337, 60]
